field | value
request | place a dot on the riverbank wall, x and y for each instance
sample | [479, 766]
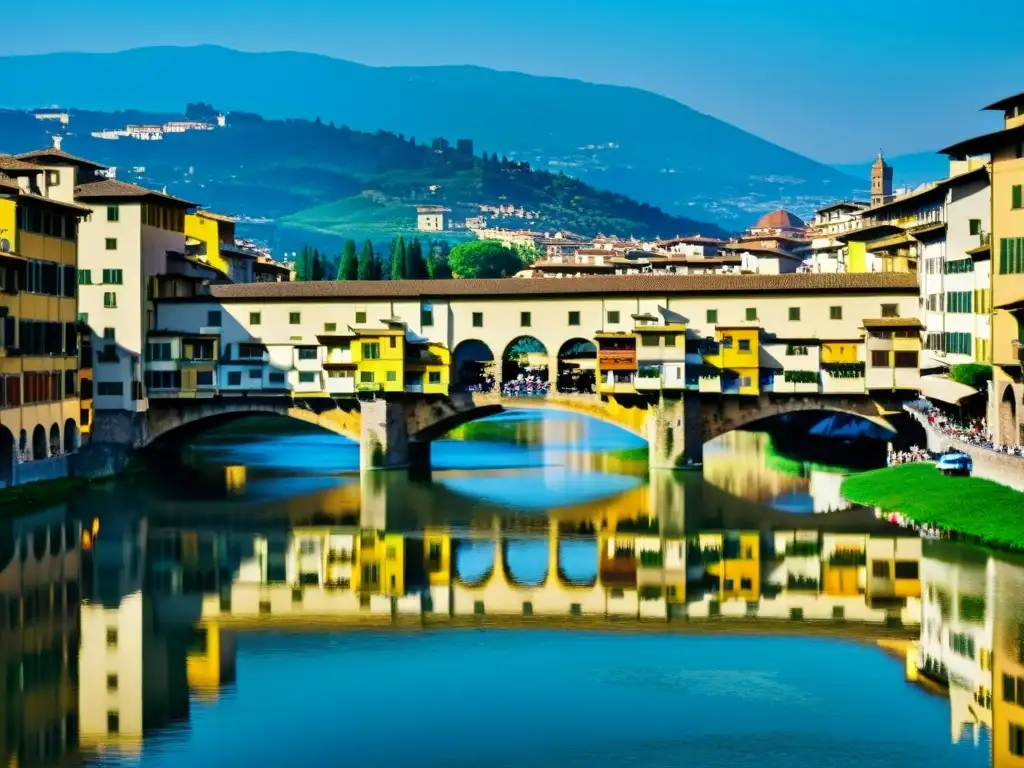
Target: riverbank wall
[991, 465]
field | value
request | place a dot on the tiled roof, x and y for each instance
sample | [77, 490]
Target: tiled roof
[11, 163]
[892, 322]
[780, 219]
[7, 183]
[111, 189]
[882, 282]
[61, 156]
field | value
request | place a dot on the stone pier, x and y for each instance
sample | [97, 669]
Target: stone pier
[674, 432]
[384, 440]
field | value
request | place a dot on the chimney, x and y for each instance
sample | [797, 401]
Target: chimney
[56, 142]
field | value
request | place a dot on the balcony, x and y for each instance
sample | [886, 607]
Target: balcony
[648, 378]
[341, 385]
[414, 389]
[617, 359]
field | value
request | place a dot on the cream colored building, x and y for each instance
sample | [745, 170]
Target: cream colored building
[827, 311]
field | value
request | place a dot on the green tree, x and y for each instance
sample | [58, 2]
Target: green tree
[368, 263]
[348, 269]
[398, 259]
[303, 264]
[316, 267]
[483, 258]
[415, 266]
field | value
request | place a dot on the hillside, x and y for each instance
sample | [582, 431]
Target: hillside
[635, 142]
[327, 180]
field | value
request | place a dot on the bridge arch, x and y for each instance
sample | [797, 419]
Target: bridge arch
[726, 416]
[39, 442]
[1008, 417]
[473, 363]
[179, 423]
[54, 440]
[524, 356]
[473, 562]
[577, 560]
[70, 436]
[577, 366]
[526, 561]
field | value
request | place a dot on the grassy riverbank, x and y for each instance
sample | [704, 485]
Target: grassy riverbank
[22, 499]
[970, 505]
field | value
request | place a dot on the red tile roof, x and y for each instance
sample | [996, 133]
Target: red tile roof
[59, 157]
[111, 189]
[873, 282]
[780, 219]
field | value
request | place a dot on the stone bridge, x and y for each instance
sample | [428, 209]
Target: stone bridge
[397, 432]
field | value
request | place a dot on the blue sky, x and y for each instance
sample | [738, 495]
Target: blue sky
[832, 80]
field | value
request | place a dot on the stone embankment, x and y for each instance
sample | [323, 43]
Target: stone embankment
[988, 464]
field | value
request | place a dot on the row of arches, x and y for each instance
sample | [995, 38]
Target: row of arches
[525, 361]
[41, 444]
[526, 561]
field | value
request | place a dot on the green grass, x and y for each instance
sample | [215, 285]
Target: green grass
[970, 505]
[22, 499]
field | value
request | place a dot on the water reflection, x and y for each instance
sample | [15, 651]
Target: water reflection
[147, 624]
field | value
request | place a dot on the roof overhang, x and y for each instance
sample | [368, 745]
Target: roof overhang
[946, 390]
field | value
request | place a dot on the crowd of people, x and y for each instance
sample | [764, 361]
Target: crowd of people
[926, 531]
[974, 432]
[915, 454]
[525, 386]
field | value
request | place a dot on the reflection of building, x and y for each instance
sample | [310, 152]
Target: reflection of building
[1008, 665]
[39, 588]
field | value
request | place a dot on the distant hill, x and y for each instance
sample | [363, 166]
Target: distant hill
[649, 147]
[907, 170]
[319, 181]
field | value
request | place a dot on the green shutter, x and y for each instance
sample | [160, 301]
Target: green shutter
[1016, 195]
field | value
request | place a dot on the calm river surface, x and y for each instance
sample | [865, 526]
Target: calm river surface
[540, 599]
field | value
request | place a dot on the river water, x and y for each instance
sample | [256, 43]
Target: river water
[539, 599]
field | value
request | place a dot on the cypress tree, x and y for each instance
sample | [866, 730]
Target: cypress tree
[399, 268]
[348, 269]
[415, 268]
[368, 263]
[316, 267]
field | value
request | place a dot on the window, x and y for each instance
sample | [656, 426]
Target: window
[1016, 745]
[524, 319]
[111, 243]
[371, 350]
[880, 569]
[330, 327]
[905, 359]
[113, 722]
[890, 310]
[158, 350]
[109, 388]
[254, 318]
[906, 569]
[574, 318]
[427, 316]
[712, 315]
[613, 318]
[1011, 255]
[307, 377]
[204, 378]
[255, 373]
[234, 378]
[393, 342]
[794, 314]
[366, 377]
[1016, 199]
[111, 637]
[110, 300]
[478, 319]
[276, 377]
[85, 277]
[109, 334]
[250, 351]
[392, 376]
[744, 345]
[751, 314]
[360, 317]
[880, 358]
[294, 318]
[113, 213]
[975, 226]
[83, 318]
[307, 353]
[434, 377]
[112, 277]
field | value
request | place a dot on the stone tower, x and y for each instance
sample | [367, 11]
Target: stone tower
[881, 181]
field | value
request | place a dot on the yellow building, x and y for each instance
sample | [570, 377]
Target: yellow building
[39, 405]
[380, 564]
[736, 354]
[210, 238]
[894, 350]
[738, 568]
[1006, 149]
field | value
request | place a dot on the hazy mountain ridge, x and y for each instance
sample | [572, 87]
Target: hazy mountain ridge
[654, 149]
[328, 181]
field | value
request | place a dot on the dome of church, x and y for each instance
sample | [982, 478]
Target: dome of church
[780, 219]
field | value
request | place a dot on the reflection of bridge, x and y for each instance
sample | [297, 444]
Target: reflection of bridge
[677, 360]
[398, 432]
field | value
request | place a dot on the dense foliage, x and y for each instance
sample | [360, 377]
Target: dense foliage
[483, 258]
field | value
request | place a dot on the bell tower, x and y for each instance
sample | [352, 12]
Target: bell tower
[881, 181]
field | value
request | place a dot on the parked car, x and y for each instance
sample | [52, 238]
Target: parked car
[955, 463]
